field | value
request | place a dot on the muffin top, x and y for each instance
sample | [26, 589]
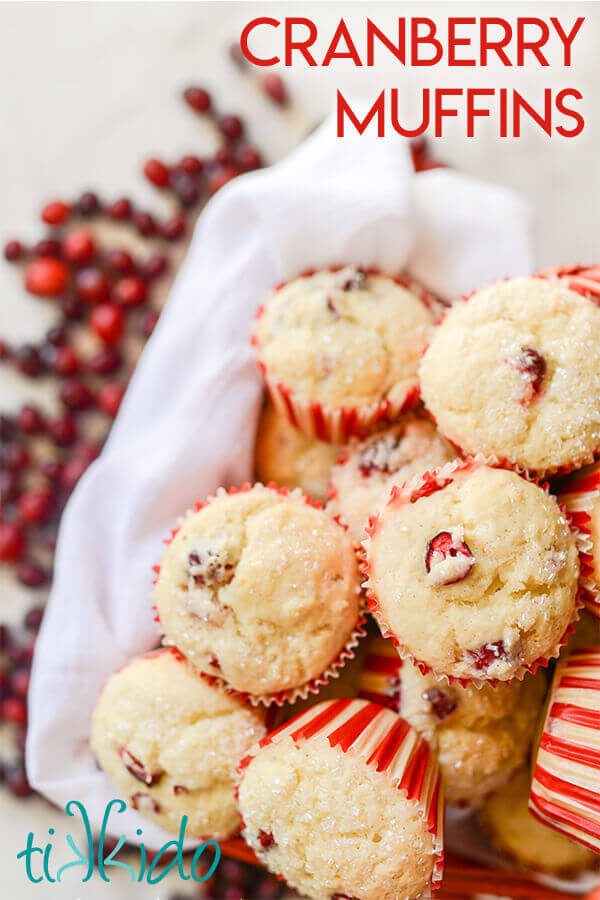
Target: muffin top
[170, 743]
[333, 825]
[514, 830]
[515, 372]
[260, 589]
[474, 571]
[344, 338]
[363, 479]
[289, 458]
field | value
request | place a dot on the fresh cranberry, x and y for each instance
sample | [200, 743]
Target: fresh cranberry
[88, 205]
[197, 98]
[441, 701]
[174, 227]
[4, 349]
[485, 656]
[135, 767]
[56, 336]
[149, 323]
[266, 839]
[86, 450]
[22, 739]
[79, 246]
[441, 548]
[20, 654]
[144, 223]
[75, 394]
[7, 428]
[62, 430]
[231, 127]
[13, 251]
[71, 306]
[29, 420]
[191, 164]
[51, 469]
[108, 322]
[15, 778]
[185, 189]
[71, 472]
[92, 285]
[9, 485]
[46, 276]
[65, 361]
[105, 362]
[14, 709]
[130, 291]
[48, 247]
[531, 365]
[248, 159]
[273, 85]
[224, 156]
[156, 172]
[14, 456]
[35, 506]
[220, 178]
[153, 267]
[120, 210]
[33, 618]
[55, 213]
[120, 261]
[19, 682]
[109, 399]
[4, 637]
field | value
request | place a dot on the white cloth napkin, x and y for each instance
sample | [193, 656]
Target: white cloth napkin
[187, 422]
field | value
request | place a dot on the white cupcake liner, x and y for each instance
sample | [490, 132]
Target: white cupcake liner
[422, 486]
[289, 695]
[381, 740]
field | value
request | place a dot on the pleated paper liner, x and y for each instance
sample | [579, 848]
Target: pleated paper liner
[333, 670]
[337, 424]
[565, 793]
[423, 486]
[381, 740]
[579, 492]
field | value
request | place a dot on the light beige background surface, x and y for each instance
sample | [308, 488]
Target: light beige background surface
[89, 90]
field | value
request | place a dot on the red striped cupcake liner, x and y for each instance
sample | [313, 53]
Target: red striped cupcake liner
[381, 740]
[423, 486]
[583, 280]
[578, 493]
[338, 424]
[565, 792]
[290, 695]
[379, 679]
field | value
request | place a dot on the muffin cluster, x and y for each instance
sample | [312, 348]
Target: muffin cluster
[449, 450]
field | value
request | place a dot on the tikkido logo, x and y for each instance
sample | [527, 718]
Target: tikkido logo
[93, 857]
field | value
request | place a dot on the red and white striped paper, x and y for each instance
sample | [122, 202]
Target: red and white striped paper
[578, 493]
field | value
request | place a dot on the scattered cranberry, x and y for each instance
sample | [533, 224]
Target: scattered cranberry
[249, 159]
[7, 428]
[88, 205]
[144, 223]
[71, 472]
[531, 365]
[109, 399]
[33, 618]
[13, 251]
[29, 420]
[130, 291]
[220, 178]
[447, 559]
[231, 126]
[120, 261]
[92, 285]
[75, 395]
[19, 682]
[35, 506]
[197, 98]
[14, 456]
[14, 709]
[108, 322]
[149, 323]
[266, 839]
[236, 55]
[135, 767]
[20, 654]
[9, 485]
[51, 469]
[79, 247]
[488, 654]
[65, 361]
[55, 213]
[31, 575]
[71, 306]
[185, 188]
[441, 701]
[273, 85]
[193, 165]
[56, 336]
[156, 172]
[224, 156]
[48, 247]
[62, 430]
[4, 350]
[15, 778]
[105, 362]
[3, 637]
[28, 360]
[174, 227]
[46, 276]
[153, 267]
[120, 210]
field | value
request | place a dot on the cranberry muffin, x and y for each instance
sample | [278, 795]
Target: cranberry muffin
[515, 372]
[261, 589]
[170, 743]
